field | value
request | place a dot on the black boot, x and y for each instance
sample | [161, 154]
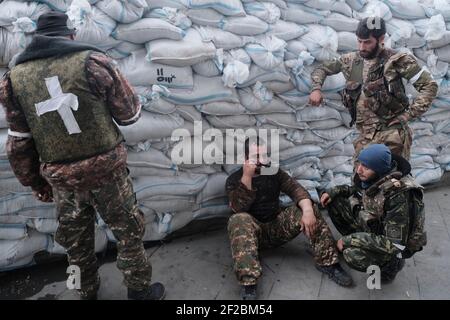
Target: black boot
[156, 291]
[248, 292]
[337, 274]
[389, 270]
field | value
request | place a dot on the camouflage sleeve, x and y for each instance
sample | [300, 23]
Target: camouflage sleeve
[292, 188]
[344, 191]
[395, 229]
[320, 73]
[20, 147]
[241, 198]
[109, 84]
[422, 81]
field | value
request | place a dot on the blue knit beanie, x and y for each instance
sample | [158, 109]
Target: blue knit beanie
[378, 158]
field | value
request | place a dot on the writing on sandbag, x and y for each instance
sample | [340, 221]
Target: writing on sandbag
[162, 78]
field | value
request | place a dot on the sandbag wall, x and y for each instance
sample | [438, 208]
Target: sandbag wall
[230, 64]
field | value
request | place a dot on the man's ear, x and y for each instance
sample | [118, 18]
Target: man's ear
[381, 39]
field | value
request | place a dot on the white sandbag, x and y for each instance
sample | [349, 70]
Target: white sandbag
[339, 133]
[400, 29]
[214, 188]
[267, 52]
[19, 253]
[259, 100]
[205, 90]
[306, 171]
[123, 11]
[137, 172]
[205, 17]
[226, 7]
[329, 163]
[284, 120]
[339, 22]
[184, 184]
[279, 87]
[321, 41]
[287, 30]
[220, 38]
[266, 11]
[427, 176]
[347, 41]
[148, 29]
[151, 126]
[151, 158]
[443, 53]
[141, 72]
[123, 50]
[244, 26]
[259, 74]
[171, 15]
[279, 3]
[171, 204]
[422, 161]
[334, 5]
[3, 122]
[165, 223]
[235, 73]
[213, 209]
[295, 47]
[435, 141]
[375, 8]
[301, 151]
[11, 44]
[189, 113]
[356, 5]
[93, 25]
[152, 4]
[316, 114]
[409, 9]
[221, 108]
[12, 10]
[443, 41]
[186, 52]
[43, 225]
[236, 122]
[303, 15]
[208, 68]
[12, 231]
[440, 7]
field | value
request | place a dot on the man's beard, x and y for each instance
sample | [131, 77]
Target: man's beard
[372, 54]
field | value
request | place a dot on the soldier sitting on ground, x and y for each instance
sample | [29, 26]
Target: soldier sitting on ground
[385, 224]
[258, 221]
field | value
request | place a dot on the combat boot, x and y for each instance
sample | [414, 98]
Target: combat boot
[389, 270]
[248, 292]
[156, 291]
[337, 274]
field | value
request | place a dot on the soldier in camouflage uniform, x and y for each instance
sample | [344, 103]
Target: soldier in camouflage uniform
[385, 224]
[258, 221]
[60, 101]
[374, 91]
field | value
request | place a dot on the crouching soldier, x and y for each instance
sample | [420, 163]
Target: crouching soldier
[385, 224]
[258, 221]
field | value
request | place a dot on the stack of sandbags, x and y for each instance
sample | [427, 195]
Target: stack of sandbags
[203, 65]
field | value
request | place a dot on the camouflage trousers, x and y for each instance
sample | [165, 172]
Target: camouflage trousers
[116, 204]
[398, 140]
[361, 254]
[247, 235]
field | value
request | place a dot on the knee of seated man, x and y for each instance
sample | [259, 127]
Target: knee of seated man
[239, 219]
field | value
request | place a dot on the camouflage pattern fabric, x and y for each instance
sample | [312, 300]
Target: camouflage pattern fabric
[116, 203]
[248, 235]
[369, 124]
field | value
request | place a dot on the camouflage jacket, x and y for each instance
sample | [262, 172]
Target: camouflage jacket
[398, 65]
[108, 84]
[262, 201]
[383, 219]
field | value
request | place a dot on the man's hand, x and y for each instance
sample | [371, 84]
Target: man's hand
[45, 194]
[308, 221]
[325, 199]
[340, 245]
[316, 98]
[403, 118]
[249, 170]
